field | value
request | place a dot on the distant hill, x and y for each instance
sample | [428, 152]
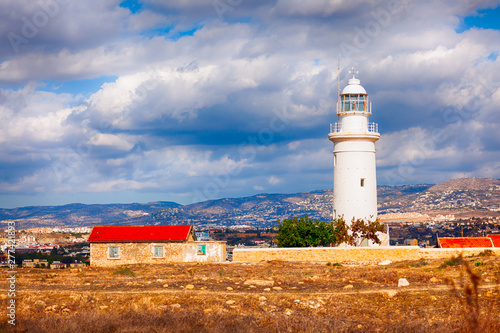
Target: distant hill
[463, 184]
[262, 209]
[460, 193]
[385, 193]
[83, 215]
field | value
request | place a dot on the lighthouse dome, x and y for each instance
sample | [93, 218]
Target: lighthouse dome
[354, 87]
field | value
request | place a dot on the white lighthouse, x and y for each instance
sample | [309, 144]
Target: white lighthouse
[354, 166]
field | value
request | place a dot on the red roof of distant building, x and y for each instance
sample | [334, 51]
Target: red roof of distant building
[495, 239]
[464, 242]
[139, 233]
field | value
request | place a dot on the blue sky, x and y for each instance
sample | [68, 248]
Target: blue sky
[135, 101]
[133, 5]
[482, 19]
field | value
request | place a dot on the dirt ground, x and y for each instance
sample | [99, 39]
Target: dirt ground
[442, 296]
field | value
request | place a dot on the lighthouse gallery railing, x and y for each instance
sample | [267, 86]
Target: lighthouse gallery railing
[338, 128]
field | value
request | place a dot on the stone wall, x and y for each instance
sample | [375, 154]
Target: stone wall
[142, 253]
[350, 255]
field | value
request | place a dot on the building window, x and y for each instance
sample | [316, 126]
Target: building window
[113, 252]
[158, 251]
[334, 159]
[362, 183]
[202, 250]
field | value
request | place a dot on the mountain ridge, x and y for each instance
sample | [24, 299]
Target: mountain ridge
[260, 210]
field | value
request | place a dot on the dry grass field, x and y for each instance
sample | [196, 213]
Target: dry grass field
[443, 296]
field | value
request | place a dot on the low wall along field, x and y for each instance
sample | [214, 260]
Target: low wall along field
[351, 254]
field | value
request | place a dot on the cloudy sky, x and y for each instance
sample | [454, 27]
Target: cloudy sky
[188, 100]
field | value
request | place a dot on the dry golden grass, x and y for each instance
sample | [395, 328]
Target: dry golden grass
[443, 296]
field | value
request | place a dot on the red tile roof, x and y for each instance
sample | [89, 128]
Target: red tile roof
[137, 233]
[495, 239]
[464, 242]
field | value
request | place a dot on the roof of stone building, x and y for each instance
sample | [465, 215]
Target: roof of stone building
[138, 233]
[495, 239]
[464, 242]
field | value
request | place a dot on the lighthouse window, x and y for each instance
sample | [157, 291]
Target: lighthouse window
[346, 103]
[354, 103]
[362, 182]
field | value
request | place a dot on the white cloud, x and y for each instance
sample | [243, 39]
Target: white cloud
[183, 106]
[294, 145]
[312, 7]
[119, 185]
[118, 141]
[274, 180]
[33, 117]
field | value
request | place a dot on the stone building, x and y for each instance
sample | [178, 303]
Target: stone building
[33, 263]
[77, 265]
[121, 245]
[57, 265]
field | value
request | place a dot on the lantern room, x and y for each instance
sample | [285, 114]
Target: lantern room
[354, 99]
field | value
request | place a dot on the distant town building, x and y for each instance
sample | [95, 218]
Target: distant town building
[26, 238]
[411, 242]
[57, 265]
[424, 243]
[443, 218]
[35, 263]
[120, 245]
[26, 249]
[202, 235]
[77, 265]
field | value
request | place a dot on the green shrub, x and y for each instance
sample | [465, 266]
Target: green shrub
[334, 264]
[124, 271]
[452, 262]
[420, 263]
[487, 253]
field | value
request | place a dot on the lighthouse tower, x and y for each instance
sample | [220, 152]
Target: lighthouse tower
[354, 170]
